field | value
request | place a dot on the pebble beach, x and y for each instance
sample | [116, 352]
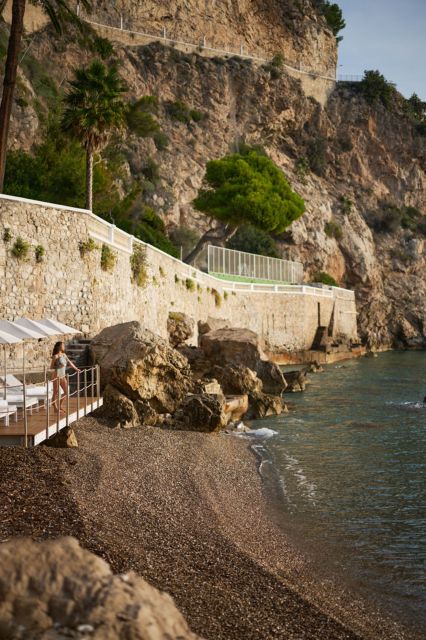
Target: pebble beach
[190, 513]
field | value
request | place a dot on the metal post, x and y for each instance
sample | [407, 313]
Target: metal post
[241, 49]
[78, 395]
[78, 8]
[204, 42]
[67, 421]
[98, 371]
[24, 389]
[121, 21]
[85, 392]
[164, 33]
[47, 410]
[59, 404]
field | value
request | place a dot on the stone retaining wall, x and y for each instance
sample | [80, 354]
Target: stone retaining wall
[74, 288]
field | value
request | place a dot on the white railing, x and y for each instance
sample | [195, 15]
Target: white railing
[108, 233]
[228, 262]
[202, 47]
[43, 401]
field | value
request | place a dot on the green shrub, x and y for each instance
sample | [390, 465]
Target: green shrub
[151, 170]
[162, 272]
[190, 284]
[346, 205]
[138, 265]
[333, 229]
[7, 235]
[375, 88]
[225, 295]
[325, 278]
[21, 102]
[103, 47]
[177, 279]
[39, 252]
[108, 258]
[217, 297]
[333, 15]
[253, 240]
[43, 84]
[316, 151]
[180, 111]
[87, 246]
[277, 60]
[302, 168]
[20, 249]
[140, 122]
[197, 116]
[161, 141]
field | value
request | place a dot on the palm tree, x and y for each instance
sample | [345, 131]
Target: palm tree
[94, 109]
[59, 13]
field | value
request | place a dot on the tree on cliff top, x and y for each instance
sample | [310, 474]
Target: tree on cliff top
[59, 13]
[245, 189]
[334, 16]
[94, 109]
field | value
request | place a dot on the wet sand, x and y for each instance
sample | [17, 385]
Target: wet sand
[188, 512]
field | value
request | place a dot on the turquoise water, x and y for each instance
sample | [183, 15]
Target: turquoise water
[351, 463]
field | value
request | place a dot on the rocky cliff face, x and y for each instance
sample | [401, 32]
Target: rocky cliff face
[367, 158]
[262, 27]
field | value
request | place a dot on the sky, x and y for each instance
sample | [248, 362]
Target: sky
[388, 35]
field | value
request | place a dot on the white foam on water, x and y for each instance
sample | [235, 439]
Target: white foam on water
[309, 489]
[264, 432]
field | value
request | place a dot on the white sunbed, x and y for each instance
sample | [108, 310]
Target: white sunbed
[7, 410]
[15, 386]
[17, 400]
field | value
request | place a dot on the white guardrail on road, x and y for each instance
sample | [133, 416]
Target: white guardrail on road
[108, 233]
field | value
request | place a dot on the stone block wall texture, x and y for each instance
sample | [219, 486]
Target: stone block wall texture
[76, 290]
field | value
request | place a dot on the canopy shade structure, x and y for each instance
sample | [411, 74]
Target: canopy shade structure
[59, 327]
[35, 326]
[19, 331]
[7, 338]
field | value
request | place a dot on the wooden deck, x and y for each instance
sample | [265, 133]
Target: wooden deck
[40, 428]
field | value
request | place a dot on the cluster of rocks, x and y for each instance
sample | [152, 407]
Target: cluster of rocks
[147, 380]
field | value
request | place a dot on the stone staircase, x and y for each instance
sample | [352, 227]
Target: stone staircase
[78, 352]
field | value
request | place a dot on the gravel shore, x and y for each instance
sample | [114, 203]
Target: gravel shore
[188, 512]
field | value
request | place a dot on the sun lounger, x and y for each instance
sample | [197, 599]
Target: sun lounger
[18, 401]
[31, 390]
[7, 410]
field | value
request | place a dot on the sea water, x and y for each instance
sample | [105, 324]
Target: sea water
[350, 458]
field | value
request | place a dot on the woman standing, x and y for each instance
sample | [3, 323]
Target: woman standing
[59, 364]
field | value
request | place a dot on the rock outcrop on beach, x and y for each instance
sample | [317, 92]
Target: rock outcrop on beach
[55, 589]
[243, 347]
[144, 368]
[148, 382]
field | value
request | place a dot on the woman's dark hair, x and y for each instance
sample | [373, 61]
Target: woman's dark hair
[57, 348]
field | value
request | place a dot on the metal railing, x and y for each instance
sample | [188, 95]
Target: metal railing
[87, 393]
[349, 78]
[250, 266]
[201, 46]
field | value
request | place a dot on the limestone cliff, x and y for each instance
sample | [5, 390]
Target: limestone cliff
[367, 157]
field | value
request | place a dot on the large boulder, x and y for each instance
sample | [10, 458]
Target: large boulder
[64, 439]
[55, 589]
[243, 347]
[180, 328]
[202, 412]
[119, 408]
[143, 367]
[238, 379]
